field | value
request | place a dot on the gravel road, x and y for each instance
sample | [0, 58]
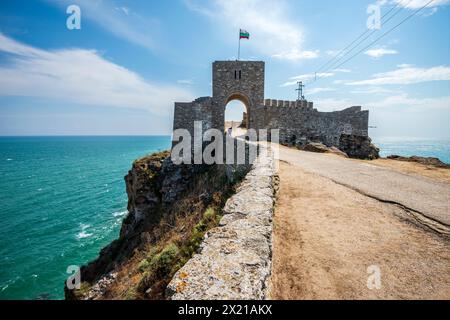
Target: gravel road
[428, 197]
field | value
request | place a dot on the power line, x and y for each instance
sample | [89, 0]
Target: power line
[385, 34]
[367, 37]
[339, 54]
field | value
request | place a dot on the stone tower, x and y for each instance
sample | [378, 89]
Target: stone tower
[237, 80]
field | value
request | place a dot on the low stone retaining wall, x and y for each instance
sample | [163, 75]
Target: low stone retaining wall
[234, 261]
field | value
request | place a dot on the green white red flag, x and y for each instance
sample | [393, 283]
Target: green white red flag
[243, 34]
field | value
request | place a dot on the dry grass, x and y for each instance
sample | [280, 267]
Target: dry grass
[440, 174]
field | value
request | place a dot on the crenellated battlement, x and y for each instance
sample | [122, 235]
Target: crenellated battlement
[288, 104]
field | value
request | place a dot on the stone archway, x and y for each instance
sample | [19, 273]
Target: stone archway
[245, 101]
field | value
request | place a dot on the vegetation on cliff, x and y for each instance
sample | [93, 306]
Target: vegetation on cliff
[170, 209]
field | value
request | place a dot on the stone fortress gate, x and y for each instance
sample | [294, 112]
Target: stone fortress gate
[299, 123]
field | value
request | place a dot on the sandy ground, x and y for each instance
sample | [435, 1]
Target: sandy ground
[327, 235]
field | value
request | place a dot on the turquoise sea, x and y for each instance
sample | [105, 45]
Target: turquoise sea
[414, 147]
[63, 198]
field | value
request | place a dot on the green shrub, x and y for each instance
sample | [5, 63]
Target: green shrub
[158, 266]
[162, 263]
[145, 263]
[209, 215]
[131, 294]
[198, 232]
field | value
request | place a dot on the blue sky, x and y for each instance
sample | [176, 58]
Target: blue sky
[121, 73]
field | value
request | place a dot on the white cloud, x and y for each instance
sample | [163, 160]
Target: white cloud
[186, 82]
[289, 83]
[332, 104]
[311, 76]
[342, 70]
[273, 30]
[380, 52]
[412, 104]
[431, 8]
[332, 52]
[296, 54]
[195, 6]
[373, 90]
[407, 75]
[306, 77]
[401, 100]
[120, 21]
[81, 76]
[430, 12]
[416, 4]
[125, 10]
[318, 90]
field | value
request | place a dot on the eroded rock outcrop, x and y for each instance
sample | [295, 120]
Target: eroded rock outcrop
[434, 162]
[360, 147]
[321, 148]
[316, 147]
[234, 261]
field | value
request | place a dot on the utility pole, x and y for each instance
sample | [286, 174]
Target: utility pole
[301, 97]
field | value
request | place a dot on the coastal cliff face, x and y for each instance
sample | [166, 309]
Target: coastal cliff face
[170, 209]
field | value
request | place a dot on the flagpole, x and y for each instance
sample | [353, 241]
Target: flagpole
[239, 47]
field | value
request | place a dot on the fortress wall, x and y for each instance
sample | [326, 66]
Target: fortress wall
[299, 122]
[187, 113]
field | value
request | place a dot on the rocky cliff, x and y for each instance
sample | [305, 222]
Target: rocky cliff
[170, 209]
[359, 147]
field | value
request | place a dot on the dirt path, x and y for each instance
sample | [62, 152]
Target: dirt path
[425, 197]
[327, 235]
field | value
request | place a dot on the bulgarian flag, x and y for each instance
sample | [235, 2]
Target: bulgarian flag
[243, 34]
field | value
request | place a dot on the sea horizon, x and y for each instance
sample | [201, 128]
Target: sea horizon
[389, 145]
[85, 135]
